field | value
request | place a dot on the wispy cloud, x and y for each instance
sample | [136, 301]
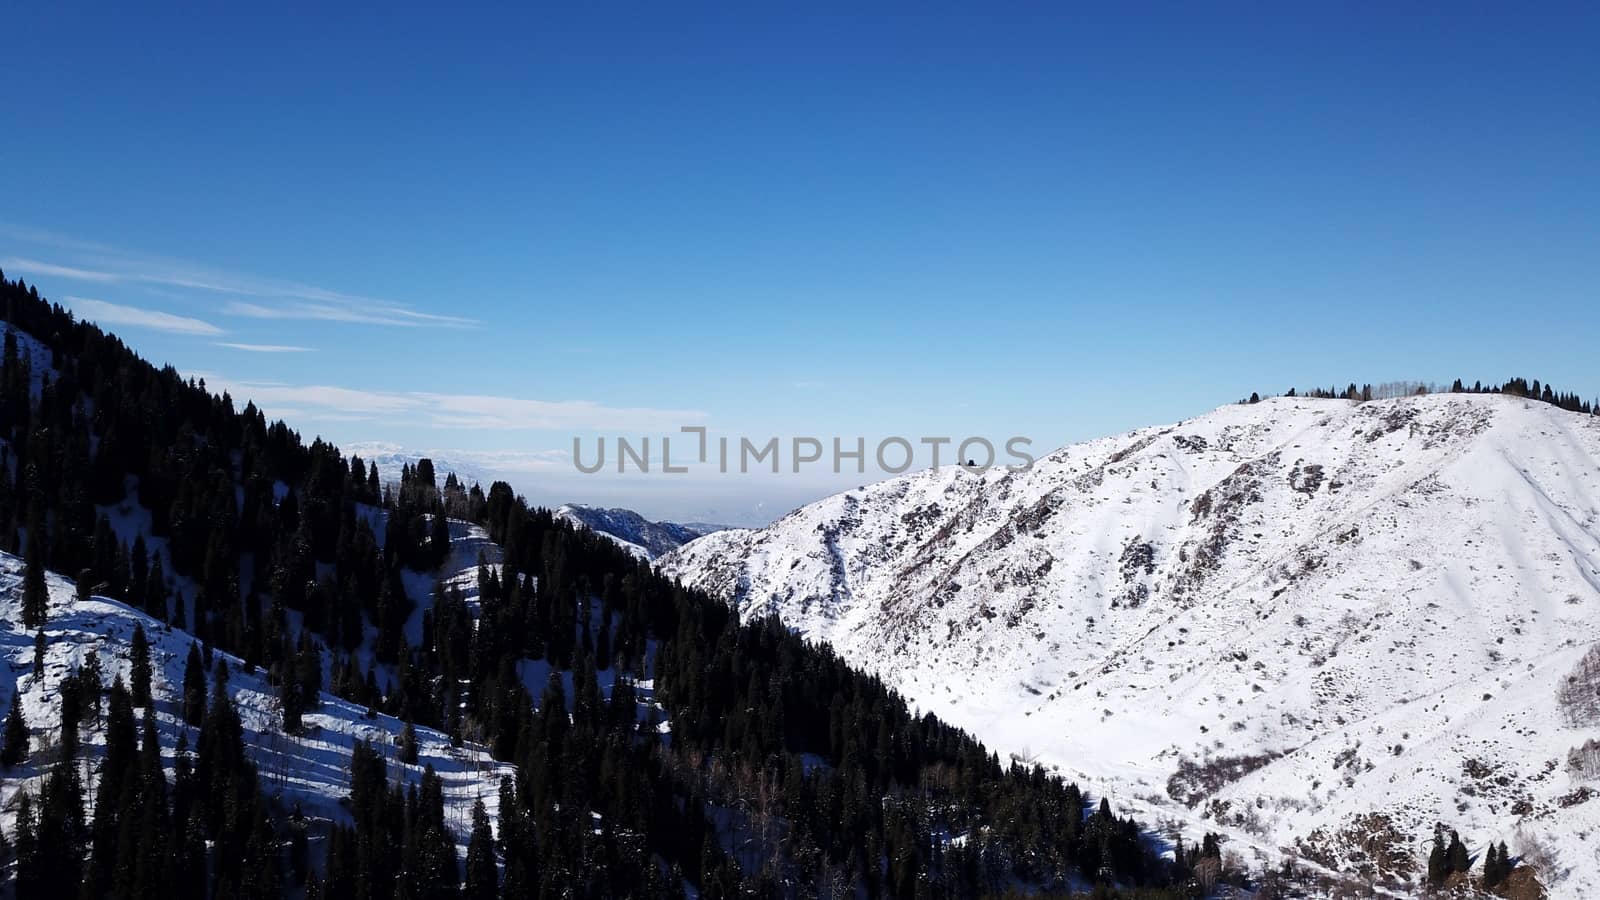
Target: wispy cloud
[36, 267]
[328, 312]
[260, 298]
[481, 411]
[117, 314]
[498, 462]
[313, 398]
[466, 411]
[264, 348]
[538, 461]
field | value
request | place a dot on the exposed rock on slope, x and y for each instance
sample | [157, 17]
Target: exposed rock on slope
[1327, 609]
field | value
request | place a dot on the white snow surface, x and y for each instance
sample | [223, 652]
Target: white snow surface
[1383, 597]
[311, 769]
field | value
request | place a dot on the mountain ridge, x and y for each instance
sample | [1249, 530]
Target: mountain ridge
[1227, 581]
[632, 531]
[661, 746]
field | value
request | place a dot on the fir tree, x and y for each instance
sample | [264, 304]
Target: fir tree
[90, 685]
[121, 740]
[299, 850]
[439, 537]
[481, 878]
[16, 737]
[1459, 861]
[141, 667]
[150, 753]
[1438, 860]
[308, 672]
[139, 579]
[194, 688]
[408, 745]
[1496, 865]
[517, 844]
[35, 596]
[30, 877]
[71, 717]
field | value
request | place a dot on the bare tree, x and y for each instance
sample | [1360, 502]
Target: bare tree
[1579, 695]
[1584, 761]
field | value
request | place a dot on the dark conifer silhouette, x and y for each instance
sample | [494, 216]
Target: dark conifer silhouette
[15, 749]
[140, 674]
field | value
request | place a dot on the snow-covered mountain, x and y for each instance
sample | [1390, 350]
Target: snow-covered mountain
[392, 458]
[311, 769]
[1317, 626]
[636, 534]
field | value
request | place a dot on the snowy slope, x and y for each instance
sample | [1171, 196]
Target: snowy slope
[639, 536]
[311, 769]
[1356, 608]
[37, 354]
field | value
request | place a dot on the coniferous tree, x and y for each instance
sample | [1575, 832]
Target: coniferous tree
[35, 596]
[71, 717]
[430, 856]
[30, 877]
[139, 578]
[299, 848]
[156, 594]
[90, 685]
[1496, 865]
[1438, 859]
[439, 538]
[517, 844]
[15, 749]
[141, 675]
[289, 706]
[481, 877]
[308, 673]
[61, 832]
[1459, 861]
[38, 654]
[118, 774]
[194, 688]
[408, 745]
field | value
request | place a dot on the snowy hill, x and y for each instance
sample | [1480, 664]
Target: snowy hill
[193, 511]
[639, 536]
[1317, 626]
[311, 769]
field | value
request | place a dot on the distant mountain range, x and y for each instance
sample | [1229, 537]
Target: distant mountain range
[645, 539]
[391, 458]
[648, 539]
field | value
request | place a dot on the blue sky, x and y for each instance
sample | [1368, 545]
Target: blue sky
[490, 231]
